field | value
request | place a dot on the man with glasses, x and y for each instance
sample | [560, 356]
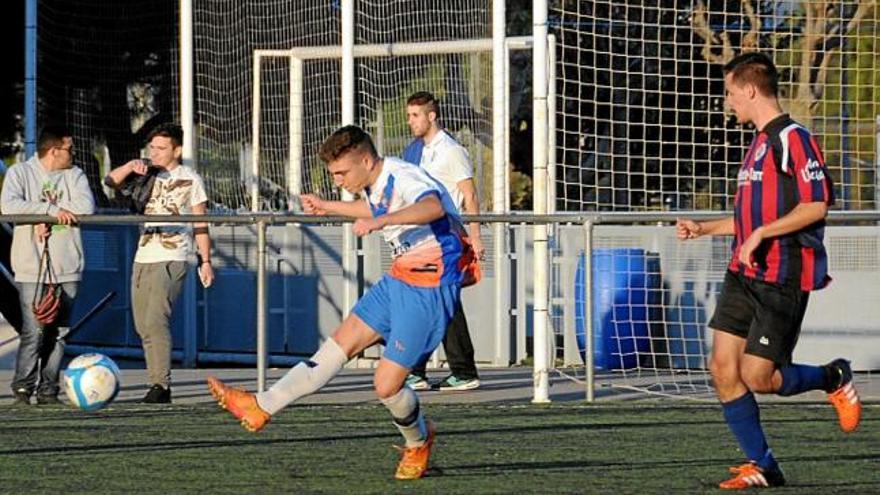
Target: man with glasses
[46, 184]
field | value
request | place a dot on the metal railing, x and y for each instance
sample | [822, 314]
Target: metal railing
[587, 220]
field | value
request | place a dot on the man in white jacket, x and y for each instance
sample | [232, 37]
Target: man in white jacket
[445, 159]
[46, 184]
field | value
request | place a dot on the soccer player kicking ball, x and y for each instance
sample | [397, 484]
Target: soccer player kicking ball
[408, 310]
[782, 198]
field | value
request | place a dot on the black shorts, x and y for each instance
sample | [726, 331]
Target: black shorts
[767, 315]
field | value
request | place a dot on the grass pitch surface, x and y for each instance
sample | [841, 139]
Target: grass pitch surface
[636, 447]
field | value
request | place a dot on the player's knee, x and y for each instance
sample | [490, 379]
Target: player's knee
[723, 370]
[384, 386]
[757, 380]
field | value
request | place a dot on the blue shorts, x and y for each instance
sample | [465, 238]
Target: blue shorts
[411, 320]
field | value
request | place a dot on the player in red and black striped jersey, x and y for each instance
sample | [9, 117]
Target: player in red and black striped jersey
[783, 194]
[783, 169]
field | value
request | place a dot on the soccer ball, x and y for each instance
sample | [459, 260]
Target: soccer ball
[91, 381]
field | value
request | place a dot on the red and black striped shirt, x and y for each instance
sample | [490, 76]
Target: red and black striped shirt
[782, 168]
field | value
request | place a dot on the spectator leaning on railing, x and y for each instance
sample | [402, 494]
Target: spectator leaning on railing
[47, 260]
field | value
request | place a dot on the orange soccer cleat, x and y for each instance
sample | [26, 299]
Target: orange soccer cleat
[414, 462]
[845, 398]
[749, 475]
[243, 405]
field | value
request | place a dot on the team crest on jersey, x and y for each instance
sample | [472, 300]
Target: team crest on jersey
[761, 151]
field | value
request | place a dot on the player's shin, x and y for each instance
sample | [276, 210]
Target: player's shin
[305, 378]
[404, 408]
[744, 420]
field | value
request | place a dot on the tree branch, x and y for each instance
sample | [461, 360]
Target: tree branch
[701, 28]
[750, 40]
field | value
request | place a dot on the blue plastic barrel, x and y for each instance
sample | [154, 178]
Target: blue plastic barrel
[626, 297]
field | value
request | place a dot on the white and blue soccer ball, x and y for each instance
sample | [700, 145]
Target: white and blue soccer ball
[91, 381]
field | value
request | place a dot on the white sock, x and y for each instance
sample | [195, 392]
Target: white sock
[305, 378]
[404, 407]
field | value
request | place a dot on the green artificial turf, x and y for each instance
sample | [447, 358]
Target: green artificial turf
[633, 447]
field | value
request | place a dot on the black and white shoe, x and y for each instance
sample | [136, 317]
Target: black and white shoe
[21, 397]
[158, 395]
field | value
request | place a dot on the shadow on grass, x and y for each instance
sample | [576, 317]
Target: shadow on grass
[472, 469]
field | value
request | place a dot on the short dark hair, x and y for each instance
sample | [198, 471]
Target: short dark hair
[169, 130]
[755, 68]
[345, 140]
[424, 98]
[51, 136]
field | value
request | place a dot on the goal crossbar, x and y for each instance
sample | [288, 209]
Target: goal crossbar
[298, 55]
[397, 49]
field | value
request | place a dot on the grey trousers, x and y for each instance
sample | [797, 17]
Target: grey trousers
[154, 288]
[39, 350]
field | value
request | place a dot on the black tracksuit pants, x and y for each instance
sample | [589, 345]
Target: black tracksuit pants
[459, 348]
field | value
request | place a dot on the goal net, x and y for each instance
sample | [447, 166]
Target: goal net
[641, 122]
[227, 36]
[109, 70]
[641, 126]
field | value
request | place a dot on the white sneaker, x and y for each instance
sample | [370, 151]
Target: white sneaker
[416, 382]
[453, 383]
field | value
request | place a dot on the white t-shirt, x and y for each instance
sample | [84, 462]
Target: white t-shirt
[448, 161]
[174, 193]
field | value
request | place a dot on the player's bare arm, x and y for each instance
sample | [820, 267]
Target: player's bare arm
[314, 205]
[689, 229]
[803, 215]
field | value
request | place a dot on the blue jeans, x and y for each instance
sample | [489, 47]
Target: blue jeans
[39, 349]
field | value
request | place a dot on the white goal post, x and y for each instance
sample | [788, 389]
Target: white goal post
[297, 56]
[298, 159]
